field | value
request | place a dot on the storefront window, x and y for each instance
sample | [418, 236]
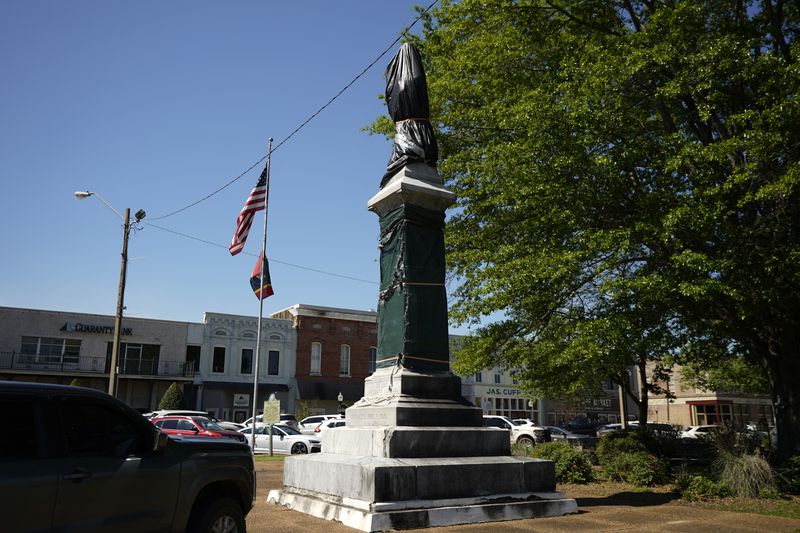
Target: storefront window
[51, 350]
[247, 361]
[135, 358]
[218, 363]
[273, 362]
[344, 360]
[316, 358]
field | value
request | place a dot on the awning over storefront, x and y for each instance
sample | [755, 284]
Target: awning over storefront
[317, 389]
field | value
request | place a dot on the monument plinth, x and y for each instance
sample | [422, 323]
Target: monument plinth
[414, 452]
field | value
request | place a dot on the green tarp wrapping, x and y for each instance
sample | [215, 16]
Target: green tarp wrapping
[412, 307]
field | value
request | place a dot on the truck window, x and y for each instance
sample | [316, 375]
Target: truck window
[22, 442]
[95, 429]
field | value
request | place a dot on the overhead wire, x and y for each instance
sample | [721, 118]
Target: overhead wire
[271, 259]
[403, 33]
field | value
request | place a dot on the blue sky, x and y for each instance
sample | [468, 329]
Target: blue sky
[154, 105]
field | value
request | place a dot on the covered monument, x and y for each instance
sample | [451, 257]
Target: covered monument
[414, 453]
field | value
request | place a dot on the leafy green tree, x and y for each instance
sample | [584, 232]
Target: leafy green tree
[627, 174]
[173, 398]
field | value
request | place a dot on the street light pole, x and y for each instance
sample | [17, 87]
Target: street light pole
[113, 370]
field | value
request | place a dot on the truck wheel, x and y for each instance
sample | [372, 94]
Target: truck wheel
[222, 515]
[299, 447]
[525, 442]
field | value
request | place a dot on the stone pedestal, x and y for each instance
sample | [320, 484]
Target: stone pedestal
[414, 453]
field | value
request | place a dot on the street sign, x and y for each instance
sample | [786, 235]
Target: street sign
[272, 411]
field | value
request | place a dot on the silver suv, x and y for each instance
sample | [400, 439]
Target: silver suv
[310, 423]
[525, 436]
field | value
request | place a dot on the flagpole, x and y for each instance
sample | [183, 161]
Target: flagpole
[261, 307]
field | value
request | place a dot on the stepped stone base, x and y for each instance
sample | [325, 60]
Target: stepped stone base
[417, 442]
[374, 494]
[415, 514]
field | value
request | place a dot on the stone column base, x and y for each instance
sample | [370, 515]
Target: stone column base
[416, 514]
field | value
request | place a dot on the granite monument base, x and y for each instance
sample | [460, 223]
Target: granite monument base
[378, 493]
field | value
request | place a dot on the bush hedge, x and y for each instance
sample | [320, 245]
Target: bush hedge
[788, 475]
[703, 488]
[572, 465]
[624, 456]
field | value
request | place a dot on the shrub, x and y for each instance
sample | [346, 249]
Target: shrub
[746, 475]
[788, 475]
[572, 465]
[703, 488]
[172, 399]
[638, 468]
[625, 456]
[613, 444]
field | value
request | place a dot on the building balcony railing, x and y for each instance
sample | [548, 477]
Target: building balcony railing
[93, 365]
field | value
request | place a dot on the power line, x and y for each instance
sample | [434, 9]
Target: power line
[306, 121]
[231, 182]
[271, 259]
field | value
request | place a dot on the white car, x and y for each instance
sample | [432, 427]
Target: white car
[285, 440]
[327, 425]
[525, 436]
[286, 420]
[309, 424]
[693, 432]
[324, 428]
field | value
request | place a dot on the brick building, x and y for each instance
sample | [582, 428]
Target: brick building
[336, 350]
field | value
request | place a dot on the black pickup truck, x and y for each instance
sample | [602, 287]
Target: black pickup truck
[75, 459]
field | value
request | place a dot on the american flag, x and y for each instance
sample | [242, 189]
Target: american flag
[254, 202]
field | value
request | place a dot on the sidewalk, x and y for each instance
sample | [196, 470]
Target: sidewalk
[646, 512]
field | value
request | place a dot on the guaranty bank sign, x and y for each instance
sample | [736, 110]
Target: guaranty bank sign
[93, 328]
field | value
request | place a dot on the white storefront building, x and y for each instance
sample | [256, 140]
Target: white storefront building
[226, 346]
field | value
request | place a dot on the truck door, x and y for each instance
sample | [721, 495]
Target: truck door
[28, 476]
[109, 478]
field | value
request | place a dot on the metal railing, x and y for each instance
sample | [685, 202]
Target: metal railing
[93, 365]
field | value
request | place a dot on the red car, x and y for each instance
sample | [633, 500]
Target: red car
[193, 426]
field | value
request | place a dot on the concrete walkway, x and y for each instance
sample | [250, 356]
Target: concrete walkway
[644, 512]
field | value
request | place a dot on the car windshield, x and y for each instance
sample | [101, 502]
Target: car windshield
[206, 423]
[288, 430]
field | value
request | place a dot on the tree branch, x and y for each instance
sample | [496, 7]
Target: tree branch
[580, 21]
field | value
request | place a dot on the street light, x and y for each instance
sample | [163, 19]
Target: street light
[140, 214]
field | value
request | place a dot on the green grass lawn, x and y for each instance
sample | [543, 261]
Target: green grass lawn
[263, 458]
[786, 507]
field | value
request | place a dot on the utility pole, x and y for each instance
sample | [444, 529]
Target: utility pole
[112, 372]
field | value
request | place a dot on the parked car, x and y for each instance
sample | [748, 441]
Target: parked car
[284, 440]
[328, 425]
[609, 428]
[583, 425]
[79, 460]
[194, 426]
[525, 436]
[562, 434]
[285, 420]
[233, 426]
[177, 412]
[694, 432]
[310, 423]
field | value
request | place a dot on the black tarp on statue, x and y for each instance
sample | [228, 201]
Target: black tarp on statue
[412, 329]
[407, 100]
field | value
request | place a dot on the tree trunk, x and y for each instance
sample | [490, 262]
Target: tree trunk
[783, 373]
[643, 398]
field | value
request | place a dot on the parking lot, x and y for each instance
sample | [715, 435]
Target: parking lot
[640, 511]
